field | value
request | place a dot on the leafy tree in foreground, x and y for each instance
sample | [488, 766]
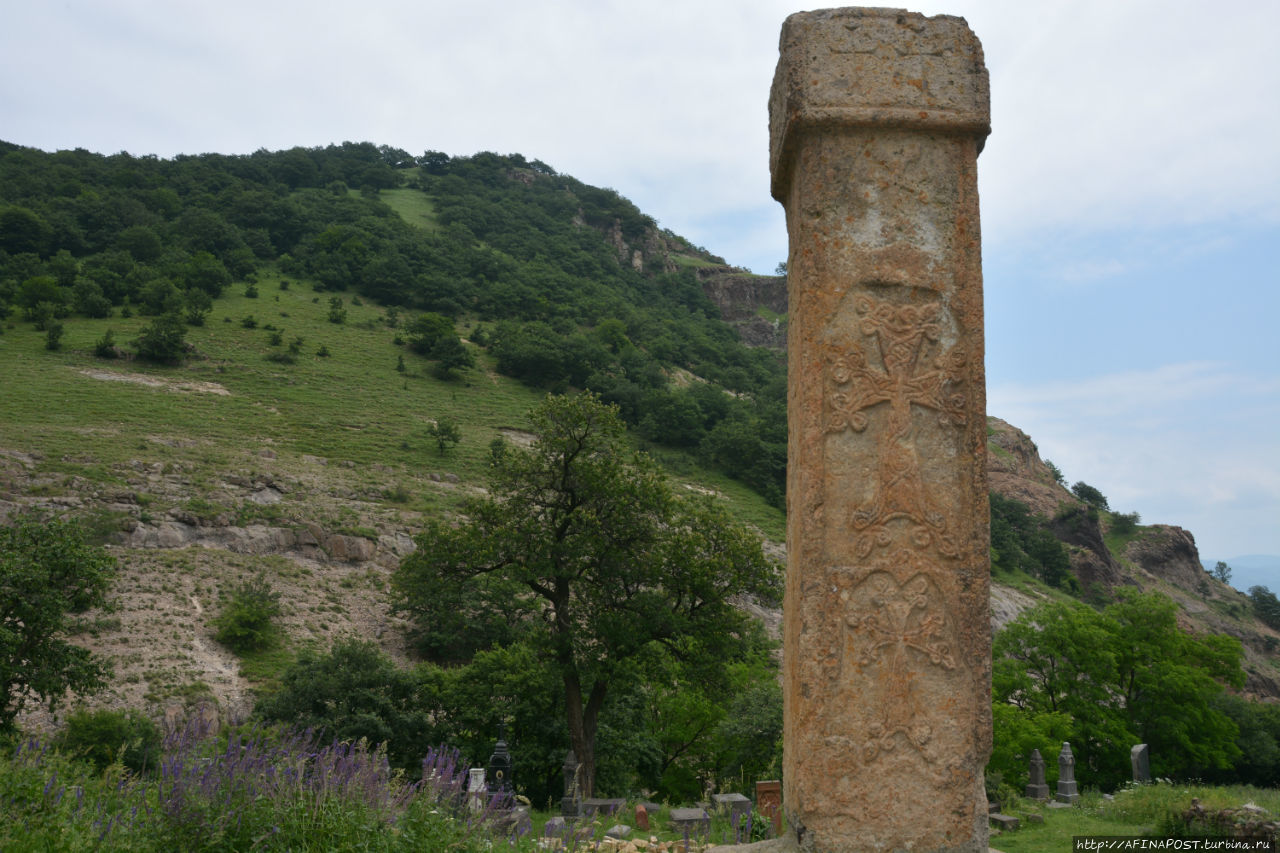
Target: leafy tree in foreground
[47, 570]
[594, 559]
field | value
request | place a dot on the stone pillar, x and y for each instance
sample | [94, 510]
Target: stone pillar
[1140, 758]
[1037, 789]
[876, 120]
[1067, 790]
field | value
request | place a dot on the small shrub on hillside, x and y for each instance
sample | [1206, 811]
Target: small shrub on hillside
[337, 314]
[53, 337]
[1125, 523]
[101, 737]
[251, 292]
[249, 321]
[1090, 495]
[164, 340]
[323, 352]
[247, 621]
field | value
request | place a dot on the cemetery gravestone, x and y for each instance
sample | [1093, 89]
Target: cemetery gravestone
[1067, 791]
[733, 804]
[1140, 757]
[769, 802]
[477, 789]
[500, 765]
[876, 120]
[1036, 788]
[570, 803]
[692, 821]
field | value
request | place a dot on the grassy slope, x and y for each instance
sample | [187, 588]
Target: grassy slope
[343, 437]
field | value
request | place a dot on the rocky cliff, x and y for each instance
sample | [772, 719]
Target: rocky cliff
[756, 305]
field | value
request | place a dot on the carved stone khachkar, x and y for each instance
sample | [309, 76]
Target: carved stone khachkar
[876, 120]
[1067, 790]
[1037, 789]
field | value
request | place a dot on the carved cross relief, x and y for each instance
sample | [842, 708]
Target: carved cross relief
[897, 639]
[899, 375]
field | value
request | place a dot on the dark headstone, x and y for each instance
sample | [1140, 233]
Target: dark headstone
[1141, 759]
[1036, 788]
[732, 804]
[499, 775]
[1067, 791]
[690, 820]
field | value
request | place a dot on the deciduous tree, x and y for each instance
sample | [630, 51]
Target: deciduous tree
[47, 570]
[603, 558]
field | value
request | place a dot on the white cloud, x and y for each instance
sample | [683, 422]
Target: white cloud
[1178, 443]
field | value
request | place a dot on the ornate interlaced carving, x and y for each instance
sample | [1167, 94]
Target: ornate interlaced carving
[899, 629]
[903, 376]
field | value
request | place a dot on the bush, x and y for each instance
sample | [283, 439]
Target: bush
[164, 340]
[1090, 495]
[1124, 523]
[53, 337]
[247, 622]
[103, 736]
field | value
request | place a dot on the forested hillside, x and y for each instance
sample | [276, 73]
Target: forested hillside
[572, 284]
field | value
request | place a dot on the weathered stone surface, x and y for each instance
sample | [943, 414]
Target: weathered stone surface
[1068, 792]
[876, 119]
[1037, 788]
[690, 820]
[732, 803]
[602, 805]
[1140, 758]
[1003, 822]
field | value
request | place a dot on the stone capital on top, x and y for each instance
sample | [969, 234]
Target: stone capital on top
[859, 67]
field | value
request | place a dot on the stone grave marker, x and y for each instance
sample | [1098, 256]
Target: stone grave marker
[602, 805]
[1037, 789]
[694, 821]
[769, 802]
[876, 120]
[642, 817]
[500, 763]
[732, 804]
[1067, 790]
[476, 789]
[1140, 757]
[571, 802]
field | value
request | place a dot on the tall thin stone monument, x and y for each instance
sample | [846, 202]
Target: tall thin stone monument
[876, 119]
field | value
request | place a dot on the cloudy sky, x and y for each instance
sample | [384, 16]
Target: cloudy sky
[1130, 189]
